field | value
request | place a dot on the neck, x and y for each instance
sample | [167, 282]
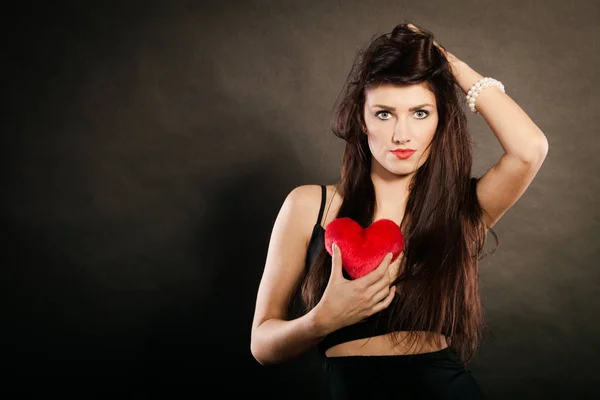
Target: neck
[391, 194]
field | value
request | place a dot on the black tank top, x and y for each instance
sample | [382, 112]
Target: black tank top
[374, 325]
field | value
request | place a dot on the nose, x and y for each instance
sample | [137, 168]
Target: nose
[400, 137]
[401, 131]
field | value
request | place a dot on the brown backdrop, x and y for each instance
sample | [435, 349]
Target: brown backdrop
[147, 148]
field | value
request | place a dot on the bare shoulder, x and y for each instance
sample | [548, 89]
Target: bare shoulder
[305, 196]
[307, 201]
[304, 202]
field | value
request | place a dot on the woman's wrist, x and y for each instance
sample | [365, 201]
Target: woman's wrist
[318, 322]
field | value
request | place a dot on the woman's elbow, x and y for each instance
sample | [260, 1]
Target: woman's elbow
[258, 351]
[259, 354]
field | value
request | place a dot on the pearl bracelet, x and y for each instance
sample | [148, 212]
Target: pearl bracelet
[478, 87]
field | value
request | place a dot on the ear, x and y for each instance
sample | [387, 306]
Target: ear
[363, 127]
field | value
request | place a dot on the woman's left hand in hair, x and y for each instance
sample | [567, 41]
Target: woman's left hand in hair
[455, 63]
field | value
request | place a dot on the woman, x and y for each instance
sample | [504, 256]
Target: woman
[409, 327]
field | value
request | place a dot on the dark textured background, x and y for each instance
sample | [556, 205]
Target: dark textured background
[147, 148]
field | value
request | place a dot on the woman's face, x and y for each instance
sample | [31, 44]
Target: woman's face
[396, 119]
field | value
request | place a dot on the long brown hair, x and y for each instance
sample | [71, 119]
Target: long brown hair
[438, 290]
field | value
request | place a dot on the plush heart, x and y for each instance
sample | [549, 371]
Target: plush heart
[363, 250]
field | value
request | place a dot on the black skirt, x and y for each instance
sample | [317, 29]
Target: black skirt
[434, 375]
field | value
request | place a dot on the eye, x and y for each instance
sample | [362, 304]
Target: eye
[377, 114]
[422, 111]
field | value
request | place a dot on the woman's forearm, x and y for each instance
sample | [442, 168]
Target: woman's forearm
[276, 340]
[518, 135]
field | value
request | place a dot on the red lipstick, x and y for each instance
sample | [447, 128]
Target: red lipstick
[403, 153]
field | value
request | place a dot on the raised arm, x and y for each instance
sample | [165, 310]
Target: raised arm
[525, 148]
[275, 339]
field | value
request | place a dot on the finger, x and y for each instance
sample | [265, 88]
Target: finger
[386, 279]
[381, 284]
[378, 273]
[394, 268]
[336, 262]
[380, 295]
[384, 266]
[417, 30]
[385, 302]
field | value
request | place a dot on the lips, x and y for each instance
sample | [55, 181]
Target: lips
[403, 153]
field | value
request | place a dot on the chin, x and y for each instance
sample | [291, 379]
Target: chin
[403, 173]
[400, 172]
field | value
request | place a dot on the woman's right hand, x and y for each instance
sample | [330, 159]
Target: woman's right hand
[346, 302]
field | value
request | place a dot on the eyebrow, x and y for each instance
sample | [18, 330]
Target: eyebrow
[410, 109]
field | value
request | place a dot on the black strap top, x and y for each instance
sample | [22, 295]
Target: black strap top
[374, 325]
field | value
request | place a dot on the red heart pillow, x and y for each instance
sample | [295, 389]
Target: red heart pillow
[363, 250]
